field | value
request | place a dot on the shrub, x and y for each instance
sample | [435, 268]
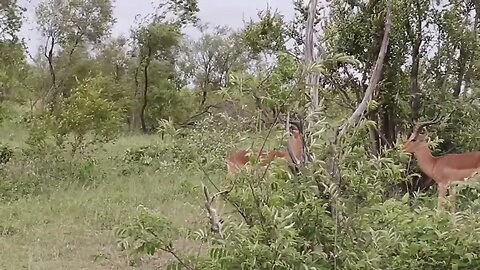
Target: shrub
[31, 173]
[83, 119]
[285, 222]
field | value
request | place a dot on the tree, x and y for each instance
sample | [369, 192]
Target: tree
[86, 117]
[210, 60]
[10, 20]
[12, 56]
[156, 42]
[68, 25]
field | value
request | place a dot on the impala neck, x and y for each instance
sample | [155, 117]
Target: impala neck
[296, 145]
[425, 159]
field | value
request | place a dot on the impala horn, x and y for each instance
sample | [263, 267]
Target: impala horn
[435, 120]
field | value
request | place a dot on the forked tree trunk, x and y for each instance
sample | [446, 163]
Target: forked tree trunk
[51, 95]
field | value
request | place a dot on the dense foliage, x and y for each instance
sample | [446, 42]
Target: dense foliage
[203, 98]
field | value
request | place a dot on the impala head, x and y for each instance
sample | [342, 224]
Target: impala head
[419, 135]
[295, 128]
[297, 147]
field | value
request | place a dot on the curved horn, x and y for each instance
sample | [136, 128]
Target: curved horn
[435, 120]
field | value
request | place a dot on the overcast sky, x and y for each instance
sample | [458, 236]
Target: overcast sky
[214, 12]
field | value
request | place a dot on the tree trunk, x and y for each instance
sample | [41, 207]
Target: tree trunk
[461, 69]
[134, 106]
[414, 87]
[51, 95]
[388, 132]
[416, 39]
[204, 96]
[145, 97]
[312, 77]
[49, 57]
[444, 78]
[470, 70]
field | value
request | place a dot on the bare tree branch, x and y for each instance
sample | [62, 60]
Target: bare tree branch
[374, 79]
[333, 167]
[226, 198]
[215, 223]
[312, 77]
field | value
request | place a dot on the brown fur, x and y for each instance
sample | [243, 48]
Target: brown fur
[237, 160]
[445, 170]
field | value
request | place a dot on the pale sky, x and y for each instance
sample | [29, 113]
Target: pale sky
[214, 12]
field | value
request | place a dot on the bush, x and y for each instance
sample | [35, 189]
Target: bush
[31, 173]
[83, 119]
[394, 236]
[204, 145]
[285, 222]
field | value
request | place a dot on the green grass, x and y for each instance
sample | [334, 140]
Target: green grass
[66, 223]
[72, 229]
[70, 226]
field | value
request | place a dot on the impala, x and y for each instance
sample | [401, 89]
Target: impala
[294, 153]
[447, 170]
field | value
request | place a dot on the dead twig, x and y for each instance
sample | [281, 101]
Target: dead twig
[213, 216]
[226, 198]
[170, 249]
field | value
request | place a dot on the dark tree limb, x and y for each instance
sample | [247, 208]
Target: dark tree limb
[466, 50]
[416, 40]
[464, 55]
[48, 53]
[470, 70]
[145, 88]
[51, 94]
[171, 250]
[191, 121]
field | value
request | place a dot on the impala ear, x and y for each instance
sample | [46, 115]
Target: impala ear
[296, 125]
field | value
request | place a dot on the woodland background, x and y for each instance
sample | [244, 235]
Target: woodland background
[106, 141]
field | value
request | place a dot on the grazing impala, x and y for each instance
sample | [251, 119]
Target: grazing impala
[294, 153]
[446, 170]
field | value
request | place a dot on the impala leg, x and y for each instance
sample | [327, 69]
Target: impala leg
[452, 198]
[442, 190]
